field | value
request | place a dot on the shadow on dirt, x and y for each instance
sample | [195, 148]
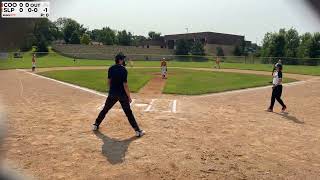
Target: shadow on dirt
[291, 118]
[113, 149]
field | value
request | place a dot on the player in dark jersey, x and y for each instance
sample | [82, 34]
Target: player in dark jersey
[118, 91]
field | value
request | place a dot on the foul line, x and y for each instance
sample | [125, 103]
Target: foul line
[64, 83]
[253, 89]
[148, 109]
[174, 106]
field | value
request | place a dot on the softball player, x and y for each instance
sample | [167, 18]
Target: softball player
[277, 89]
[275, 66]
[33, 62]
[164, 68]
[130, 62]
[217, 65]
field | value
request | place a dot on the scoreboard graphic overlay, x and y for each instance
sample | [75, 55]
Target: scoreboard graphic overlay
[25, 9]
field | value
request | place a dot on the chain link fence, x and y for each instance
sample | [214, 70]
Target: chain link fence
[158, 57]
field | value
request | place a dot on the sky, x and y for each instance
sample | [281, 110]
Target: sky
[251, 18]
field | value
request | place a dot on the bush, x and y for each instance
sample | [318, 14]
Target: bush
[85, 39]
[28, 42]
[198, 48]
[182, 47]
[42, 46]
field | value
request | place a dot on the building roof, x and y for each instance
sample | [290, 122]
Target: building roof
[199, 34]
[210, 37]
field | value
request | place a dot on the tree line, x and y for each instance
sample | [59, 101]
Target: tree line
[288, 43]
[285, 43]
[72, 32]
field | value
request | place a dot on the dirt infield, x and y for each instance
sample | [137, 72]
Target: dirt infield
[225, 135]
[154, 87]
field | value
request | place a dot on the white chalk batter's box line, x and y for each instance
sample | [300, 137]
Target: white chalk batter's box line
[172, 104]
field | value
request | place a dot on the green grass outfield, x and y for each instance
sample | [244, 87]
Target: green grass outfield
[97, 79]
[56, 60]
[185, 82]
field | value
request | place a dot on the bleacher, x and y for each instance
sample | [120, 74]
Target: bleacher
[108, 52]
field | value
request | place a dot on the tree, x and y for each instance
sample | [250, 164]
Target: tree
[154, 36]
[94, 34]
[43, 33]
[124, 38]
[28, 42]
[42, 46]
[198, 48]
[220, 52]
[138, 40]
[69, 26]
[182, 47]
[107, 36]
[305, 45]
[315, 46]
[278, 45]
[266, 44]
[274, 44]
[292, 43]
[85, 39]
[75, 38]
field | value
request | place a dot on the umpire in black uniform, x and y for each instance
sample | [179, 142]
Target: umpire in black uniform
[118, 91]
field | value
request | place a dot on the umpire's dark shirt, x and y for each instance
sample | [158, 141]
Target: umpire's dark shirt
[117, 74]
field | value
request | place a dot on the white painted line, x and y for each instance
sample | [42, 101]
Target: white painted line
[174, 106]
[64, 83]
[148, 109]
[133, 100]
[253, 89]
[141, 105]
[100, 107]
[150, 105]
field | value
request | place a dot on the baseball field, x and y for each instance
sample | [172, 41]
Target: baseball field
[201, 123]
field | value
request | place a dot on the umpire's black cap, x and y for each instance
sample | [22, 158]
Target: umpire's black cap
[120, 56]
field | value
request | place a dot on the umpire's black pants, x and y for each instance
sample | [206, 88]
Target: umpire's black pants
[125, 104]
[276, 95]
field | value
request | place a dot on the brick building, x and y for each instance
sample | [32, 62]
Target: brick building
[211, 40]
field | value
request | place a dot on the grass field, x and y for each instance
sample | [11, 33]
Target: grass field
[97, 79]
[183, 82]
[56, 60]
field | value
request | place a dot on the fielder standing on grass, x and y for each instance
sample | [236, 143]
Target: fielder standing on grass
[118, 91]
[217, 65]
[33, 62]
[277, 89]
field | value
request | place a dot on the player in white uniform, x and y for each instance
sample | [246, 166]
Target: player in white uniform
[277, 89]
[33, 62]
[164, 68]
